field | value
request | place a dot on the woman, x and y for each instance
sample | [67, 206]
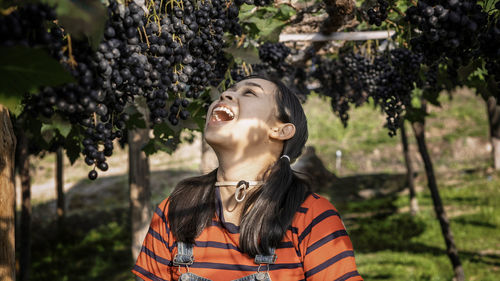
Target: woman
[252, 218]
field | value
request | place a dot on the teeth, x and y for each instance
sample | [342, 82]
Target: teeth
[226, 110]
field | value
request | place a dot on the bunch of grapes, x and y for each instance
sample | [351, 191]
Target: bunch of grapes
[273, 53]
[378, 14]
[344, 79]
[395, 83]
[16, 30]
[167, 55]
[351, 78]
[258, 2]
[446, 29]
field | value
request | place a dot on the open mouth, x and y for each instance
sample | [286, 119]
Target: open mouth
[222, 113]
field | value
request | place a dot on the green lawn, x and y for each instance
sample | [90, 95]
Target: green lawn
[395, 246]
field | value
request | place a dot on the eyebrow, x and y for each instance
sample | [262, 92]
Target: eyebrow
[234, 87]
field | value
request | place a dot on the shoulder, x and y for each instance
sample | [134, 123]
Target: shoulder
[316, 217]
[315, 204]
[160, 213]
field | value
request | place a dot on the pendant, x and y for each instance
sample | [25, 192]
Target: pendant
[241, 191]
[185, 277]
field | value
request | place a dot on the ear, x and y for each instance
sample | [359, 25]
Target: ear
[283, 131]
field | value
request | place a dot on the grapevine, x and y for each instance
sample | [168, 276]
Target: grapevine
[166, 55]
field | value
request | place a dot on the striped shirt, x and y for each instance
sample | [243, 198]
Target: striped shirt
[315, 247]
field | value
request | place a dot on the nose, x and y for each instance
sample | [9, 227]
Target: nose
[227, 95]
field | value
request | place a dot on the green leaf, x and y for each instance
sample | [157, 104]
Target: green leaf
[72, 144]
[48, 135]
[59, 125]
[24, 69]
[270, 28]
[246, 11]
[166, 145]
[415, 102]
[163, 130]
[136, 118]
[285, 12]
[81, 18]
[249, 54]
[198, 114]
[465, 71]
[13, 103]
[136, 121]
[33, 127]
[150, 147]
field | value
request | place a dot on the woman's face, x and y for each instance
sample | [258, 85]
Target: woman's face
[244, 114]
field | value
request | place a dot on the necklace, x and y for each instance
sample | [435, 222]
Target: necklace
[241, 187]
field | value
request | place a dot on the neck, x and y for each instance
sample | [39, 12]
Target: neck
[250, 168]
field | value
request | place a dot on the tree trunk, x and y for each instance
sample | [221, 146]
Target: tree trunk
[451, 249]
[409, 171]
[494, 122]
[61, 212]
[140, 193]
[7, 198]
[24, 174]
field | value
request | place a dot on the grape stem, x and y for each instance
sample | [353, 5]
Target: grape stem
[146, 36]
[240, 42]
[397, 10]
[177, 38]
[71, 59]
[140, 34]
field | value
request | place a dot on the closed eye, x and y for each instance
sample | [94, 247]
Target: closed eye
[250, 93]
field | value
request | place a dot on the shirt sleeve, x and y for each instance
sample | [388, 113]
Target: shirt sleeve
[326, 249]
[154, 260]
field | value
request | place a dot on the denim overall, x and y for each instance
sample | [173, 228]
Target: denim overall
[184, 257]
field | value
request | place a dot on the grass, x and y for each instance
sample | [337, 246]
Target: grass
[389, 243]
[396, 246]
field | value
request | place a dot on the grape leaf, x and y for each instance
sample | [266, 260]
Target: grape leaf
[137, 119]
[72, 144]
[249, 54]
[155, 145]
[285, 12]
[81, 18]
[150, 147]
[163, 131]
[270, 28]
[62, 126]
[24, 69]
[465, 71]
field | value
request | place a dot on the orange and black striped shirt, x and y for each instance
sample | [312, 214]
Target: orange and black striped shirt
[315, 247]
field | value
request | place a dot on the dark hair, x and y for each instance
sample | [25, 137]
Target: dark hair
[263, 226]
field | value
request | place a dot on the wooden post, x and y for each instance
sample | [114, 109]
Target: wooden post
[7, 197]
[140, 192]
[451, 249]
[24, 174]
[494, 122]
[409, 171]
[60, 188]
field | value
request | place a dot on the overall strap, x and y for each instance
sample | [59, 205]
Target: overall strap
[184, 254]
[266, 259]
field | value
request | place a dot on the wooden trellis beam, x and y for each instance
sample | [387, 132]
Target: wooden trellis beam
[341, 36]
